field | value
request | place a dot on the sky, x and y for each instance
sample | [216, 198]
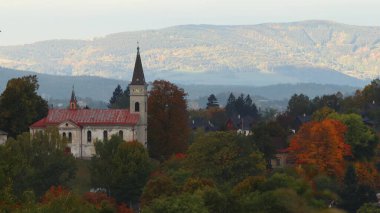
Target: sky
[28, 21]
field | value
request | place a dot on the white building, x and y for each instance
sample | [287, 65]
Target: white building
[82, 127]
[3, 137]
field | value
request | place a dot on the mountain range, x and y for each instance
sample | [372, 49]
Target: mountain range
[96, 91]
[309, 51]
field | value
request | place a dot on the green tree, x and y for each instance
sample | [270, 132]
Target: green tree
[224, 157]
[20, 105]
[167, 121]
[299, 105]
[36, 163]
[122, 168]
[269, 137]
[354, 194]
[119, 99]
[230, 106]
[186, 203]
[362, 139]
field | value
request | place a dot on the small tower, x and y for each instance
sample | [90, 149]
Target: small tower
[139, 98]
[73, 100]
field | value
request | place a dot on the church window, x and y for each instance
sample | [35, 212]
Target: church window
[121, 134]
[88, 136]
[137, 107]
[105, 135]
[70, 137]
[64, 135]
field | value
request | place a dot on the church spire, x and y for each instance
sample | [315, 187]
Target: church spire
[73, 100]
[138, 73]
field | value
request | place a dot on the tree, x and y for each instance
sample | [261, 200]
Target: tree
[320, 146]
[126, 164]
[20, 105]
[269, 137]
[119, 99]
[230, 106]
[299, 105]
[36, 163]
[186, 203]
[361, 138]
[224, 157]
[115, 96]
[354, 194]
[167, 121]
[212, 102]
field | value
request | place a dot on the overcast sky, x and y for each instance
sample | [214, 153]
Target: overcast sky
[26, 21]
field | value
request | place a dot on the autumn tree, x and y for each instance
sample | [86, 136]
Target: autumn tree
[20, 105]
[167, 121]
[126, 165]
[320, 146]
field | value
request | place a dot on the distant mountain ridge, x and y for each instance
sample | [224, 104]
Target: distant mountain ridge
[254, 54]
[100, 89]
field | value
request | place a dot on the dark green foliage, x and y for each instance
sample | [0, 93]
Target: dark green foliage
[269, 137]
[354, 194]
[35, 163]
[119, 99]
[212, 102]
[224, 157]
[122, 168]
[184, 203]
[242, 106]
[20, 105]
[299, 105]
[369, 208]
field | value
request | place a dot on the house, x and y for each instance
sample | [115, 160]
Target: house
[3, 137]
[82, 127]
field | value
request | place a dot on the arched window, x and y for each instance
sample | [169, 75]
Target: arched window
[137, 107]
[70, 137]
[105, 135]
[64, 135]
[89, 136]
[121, 134]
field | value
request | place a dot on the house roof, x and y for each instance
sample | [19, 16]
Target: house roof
[3, 133]
[83, 117]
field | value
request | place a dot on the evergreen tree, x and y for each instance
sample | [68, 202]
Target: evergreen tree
[230, 106]
[212, 102]
[115, 96]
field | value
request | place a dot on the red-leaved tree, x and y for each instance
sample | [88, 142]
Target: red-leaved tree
[319, 147]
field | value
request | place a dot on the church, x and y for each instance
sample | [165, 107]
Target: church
[82, 127]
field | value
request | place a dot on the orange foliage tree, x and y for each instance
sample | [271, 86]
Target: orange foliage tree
[167, 121]
[319, 147]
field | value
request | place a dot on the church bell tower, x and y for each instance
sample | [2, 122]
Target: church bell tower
[139, 100]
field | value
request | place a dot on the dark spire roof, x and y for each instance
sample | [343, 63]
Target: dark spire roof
[73, 97]
[138, 73]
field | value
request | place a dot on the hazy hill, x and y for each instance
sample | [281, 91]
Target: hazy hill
[257, 54]
[57, 89]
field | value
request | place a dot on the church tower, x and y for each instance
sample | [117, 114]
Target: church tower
[138, 99]
[73, 100]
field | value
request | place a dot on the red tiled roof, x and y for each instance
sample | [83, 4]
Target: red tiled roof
[88, 117]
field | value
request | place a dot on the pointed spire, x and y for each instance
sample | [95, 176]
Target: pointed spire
[138, 72]
[73, 100]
